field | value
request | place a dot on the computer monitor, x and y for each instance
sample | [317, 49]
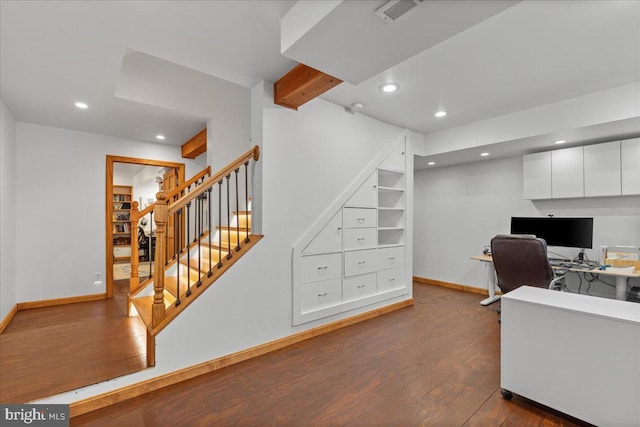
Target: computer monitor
[566, 232]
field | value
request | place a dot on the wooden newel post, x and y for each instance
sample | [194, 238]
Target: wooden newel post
[134, 280]
[161, 216]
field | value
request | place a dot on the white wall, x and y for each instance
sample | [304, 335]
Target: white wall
[306, 165]
[61, 207]
[7, 210]
[459, 208]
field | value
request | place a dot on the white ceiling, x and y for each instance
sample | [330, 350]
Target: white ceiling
[492, 63]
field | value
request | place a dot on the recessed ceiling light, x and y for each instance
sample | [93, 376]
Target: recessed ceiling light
[389, 87]
[81, 105]
[484, 154]
[431, 163]
[560, 141]
[160, 137]
[441, 114]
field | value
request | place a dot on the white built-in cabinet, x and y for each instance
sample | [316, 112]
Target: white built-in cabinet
[357, 257]
[606, 169]
[602, 174]
[567, 173]
[537, 176]
[630, 157]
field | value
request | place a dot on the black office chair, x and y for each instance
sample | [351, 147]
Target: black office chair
[143, 245]
[522, 260]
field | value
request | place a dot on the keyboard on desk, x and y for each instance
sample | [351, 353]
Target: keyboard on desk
[565, 263]
[554, 262]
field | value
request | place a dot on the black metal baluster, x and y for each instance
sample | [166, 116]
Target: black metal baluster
[210, 273]
[176, 230]
[229, 254]
[237, 213]
[219, 223]
[151, 254]
[177, 233]
[199, 234]
[246, 201]
[188, 254]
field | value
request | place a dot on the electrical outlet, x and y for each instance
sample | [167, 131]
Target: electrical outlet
[98, 280]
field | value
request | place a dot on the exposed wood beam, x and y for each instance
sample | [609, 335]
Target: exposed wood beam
[195, 146]
[301, 85]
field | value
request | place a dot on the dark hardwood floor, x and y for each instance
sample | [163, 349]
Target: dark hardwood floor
[50, 350]
[436, 364]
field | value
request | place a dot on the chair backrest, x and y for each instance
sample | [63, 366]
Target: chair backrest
[520, 260]
[142, 238]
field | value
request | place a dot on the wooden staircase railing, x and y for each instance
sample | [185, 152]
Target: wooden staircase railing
[136, 216]
[204, 250]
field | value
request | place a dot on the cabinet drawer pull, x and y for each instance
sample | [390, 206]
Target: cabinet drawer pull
[360, 220]
[361, 286]
[362, 262]
[322, 295]
[391, 258]
[392, 279]
[323, 268]
[361, 239]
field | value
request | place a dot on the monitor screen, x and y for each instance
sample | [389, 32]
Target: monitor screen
[567, 232]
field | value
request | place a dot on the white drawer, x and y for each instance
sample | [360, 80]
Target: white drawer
[323, 294]
[321, 267]
[390, 258]
[358, 218]
[360, 238]
[360, 262]
[390, 279]
[358, 287]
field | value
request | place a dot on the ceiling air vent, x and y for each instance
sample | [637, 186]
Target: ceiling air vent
[392, 10]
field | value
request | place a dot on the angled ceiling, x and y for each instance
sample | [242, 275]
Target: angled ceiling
[478, 60]
[349, 41]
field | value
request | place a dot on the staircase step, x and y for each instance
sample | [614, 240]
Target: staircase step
[232, 229]
[171, 282]
[204, 260]
[144, 304]
[241, 221]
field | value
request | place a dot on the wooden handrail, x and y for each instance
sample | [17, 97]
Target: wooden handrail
[181, 187]
[253, 153]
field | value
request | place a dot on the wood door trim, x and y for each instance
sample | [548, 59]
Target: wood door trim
[111, 159]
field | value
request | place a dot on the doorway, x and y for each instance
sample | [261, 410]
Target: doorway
[119, 196]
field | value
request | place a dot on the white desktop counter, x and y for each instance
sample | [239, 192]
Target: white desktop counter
[575, 353]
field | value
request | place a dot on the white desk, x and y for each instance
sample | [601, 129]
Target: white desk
[490, 278]
[621, 279]
[574, 353]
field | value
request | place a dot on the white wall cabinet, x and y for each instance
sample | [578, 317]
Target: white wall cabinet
[630, 159]
[606, 169]
[537, 175]
[567, 173]
[367, 195]
[357, 257]
[602, 169]
[329, 239]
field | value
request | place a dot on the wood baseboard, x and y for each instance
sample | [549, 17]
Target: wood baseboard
[7, 319]
[106, 399]
[449, 285]
[60, 301]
